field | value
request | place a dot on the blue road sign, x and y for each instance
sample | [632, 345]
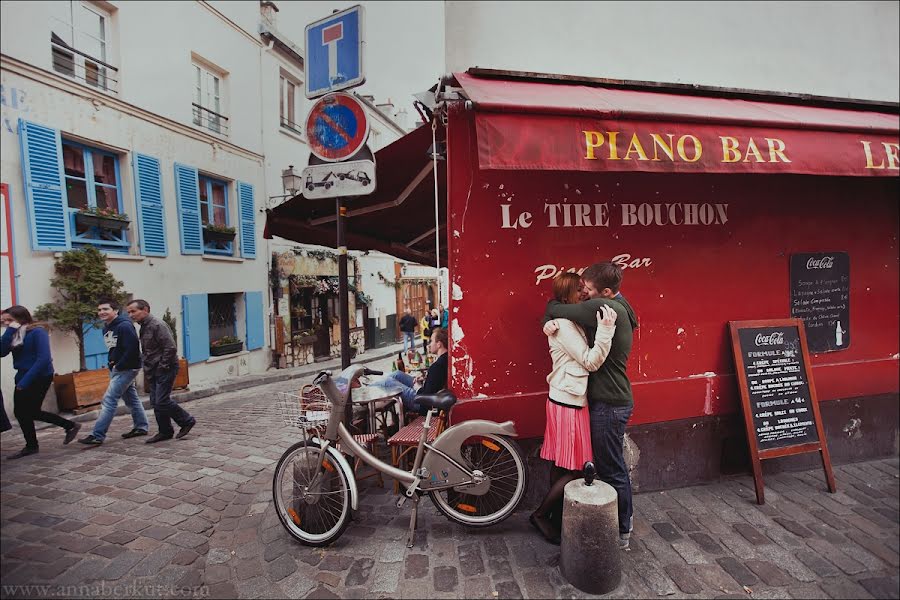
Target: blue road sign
[334, 52]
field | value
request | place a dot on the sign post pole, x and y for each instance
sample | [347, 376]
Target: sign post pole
[342, 284]
[338, 128]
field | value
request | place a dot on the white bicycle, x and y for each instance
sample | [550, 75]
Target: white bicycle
[473, 472]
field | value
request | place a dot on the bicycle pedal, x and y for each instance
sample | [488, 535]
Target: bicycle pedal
[401, 501]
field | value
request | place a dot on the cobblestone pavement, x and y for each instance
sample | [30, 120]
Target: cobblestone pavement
[194, 517]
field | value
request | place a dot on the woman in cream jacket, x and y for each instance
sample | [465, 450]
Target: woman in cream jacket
[567, 437]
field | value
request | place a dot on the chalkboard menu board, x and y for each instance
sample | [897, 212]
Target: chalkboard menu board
[781, 411]
[820, 295]
[777, 386]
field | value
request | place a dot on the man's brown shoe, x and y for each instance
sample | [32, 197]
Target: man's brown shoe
[186, 429]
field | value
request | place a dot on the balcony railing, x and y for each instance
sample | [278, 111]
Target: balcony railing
[83, 67]
[291, 125]
[210, 120]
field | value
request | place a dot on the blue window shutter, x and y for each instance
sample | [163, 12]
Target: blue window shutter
[44, 192]
[247, 213]
[187, 193]
[253, 307]
[195, 320]
[151, 216]
[96, 354]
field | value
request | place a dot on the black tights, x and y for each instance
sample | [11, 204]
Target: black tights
[27, 408]
[552, 505]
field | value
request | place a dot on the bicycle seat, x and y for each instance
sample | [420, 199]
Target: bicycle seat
[443, 400]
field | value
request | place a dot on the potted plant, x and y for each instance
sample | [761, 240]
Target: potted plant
[217, 233]
[105, 218]
[80, 278]
[227, 344]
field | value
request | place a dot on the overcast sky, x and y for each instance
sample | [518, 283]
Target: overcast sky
[404, 43]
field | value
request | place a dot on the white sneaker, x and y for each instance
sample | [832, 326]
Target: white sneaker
[625, 538]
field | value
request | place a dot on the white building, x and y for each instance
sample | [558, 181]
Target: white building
[395, 286]
[105, 114]
[180, 116]
[834, 49]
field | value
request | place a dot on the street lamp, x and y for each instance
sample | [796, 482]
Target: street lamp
[291, 182]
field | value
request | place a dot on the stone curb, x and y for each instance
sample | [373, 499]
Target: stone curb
[242, 383]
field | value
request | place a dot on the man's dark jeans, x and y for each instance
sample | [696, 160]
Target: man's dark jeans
[608, 441]
[164, 408]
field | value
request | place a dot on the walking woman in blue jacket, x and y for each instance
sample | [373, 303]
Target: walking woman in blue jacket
[30, 347]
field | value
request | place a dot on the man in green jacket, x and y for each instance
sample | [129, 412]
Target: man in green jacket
[609, 390]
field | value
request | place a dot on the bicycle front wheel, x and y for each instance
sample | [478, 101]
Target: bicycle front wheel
[501, 462]
[312, 496]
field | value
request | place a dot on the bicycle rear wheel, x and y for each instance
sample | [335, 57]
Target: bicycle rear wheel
[317, 515]
[500, 460]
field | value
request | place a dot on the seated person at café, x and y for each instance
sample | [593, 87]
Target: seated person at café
[434, 381]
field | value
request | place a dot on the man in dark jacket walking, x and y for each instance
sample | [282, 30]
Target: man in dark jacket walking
[124, 365]
[408, 326]
[160, 368]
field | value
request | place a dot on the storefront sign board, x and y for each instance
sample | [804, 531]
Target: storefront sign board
[781, 411]
[820, 295]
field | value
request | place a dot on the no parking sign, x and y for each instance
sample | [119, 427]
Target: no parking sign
[337, 127]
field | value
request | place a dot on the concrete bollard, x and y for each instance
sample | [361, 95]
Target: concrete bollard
[589, 553]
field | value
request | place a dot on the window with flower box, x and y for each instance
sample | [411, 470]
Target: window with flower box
[218, 234]
[93, 194]
[223, 324]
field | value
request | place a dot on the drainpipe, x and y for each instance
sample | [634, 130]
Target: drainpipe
[265, 194]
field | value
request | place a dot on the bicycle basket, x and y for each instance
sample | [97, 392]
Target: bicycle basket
[305, 410]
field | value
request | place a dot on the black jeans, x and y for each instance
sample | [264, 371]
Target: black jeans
[164, 408]
[27, 408]
[608, 440]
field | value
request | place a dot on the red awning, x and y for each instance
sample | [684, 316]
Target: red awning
[397, 218]
[575, 127]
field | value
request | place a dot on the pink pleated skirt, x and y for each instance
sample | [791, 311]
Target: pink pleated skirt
[567, 437]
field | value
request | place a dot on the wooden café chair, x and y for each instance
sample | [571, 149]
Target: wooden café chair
[406, 440]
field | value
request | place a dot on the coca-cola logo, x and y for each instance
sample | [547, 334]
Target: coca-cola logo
[826, 262]
[773, 339]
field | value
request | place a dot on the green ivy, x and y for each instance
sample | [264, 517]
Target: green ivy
[394, 284]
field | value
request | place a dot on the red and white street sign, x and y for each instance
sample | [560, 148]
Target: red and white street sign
[337, 127]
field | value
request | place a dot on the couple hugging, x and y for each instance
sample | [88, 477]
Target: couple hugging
[590, 328]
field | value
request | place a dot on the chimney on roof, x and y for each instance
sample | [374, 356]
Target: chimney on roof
[402, 118]
[386, 107]
[268, 10]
